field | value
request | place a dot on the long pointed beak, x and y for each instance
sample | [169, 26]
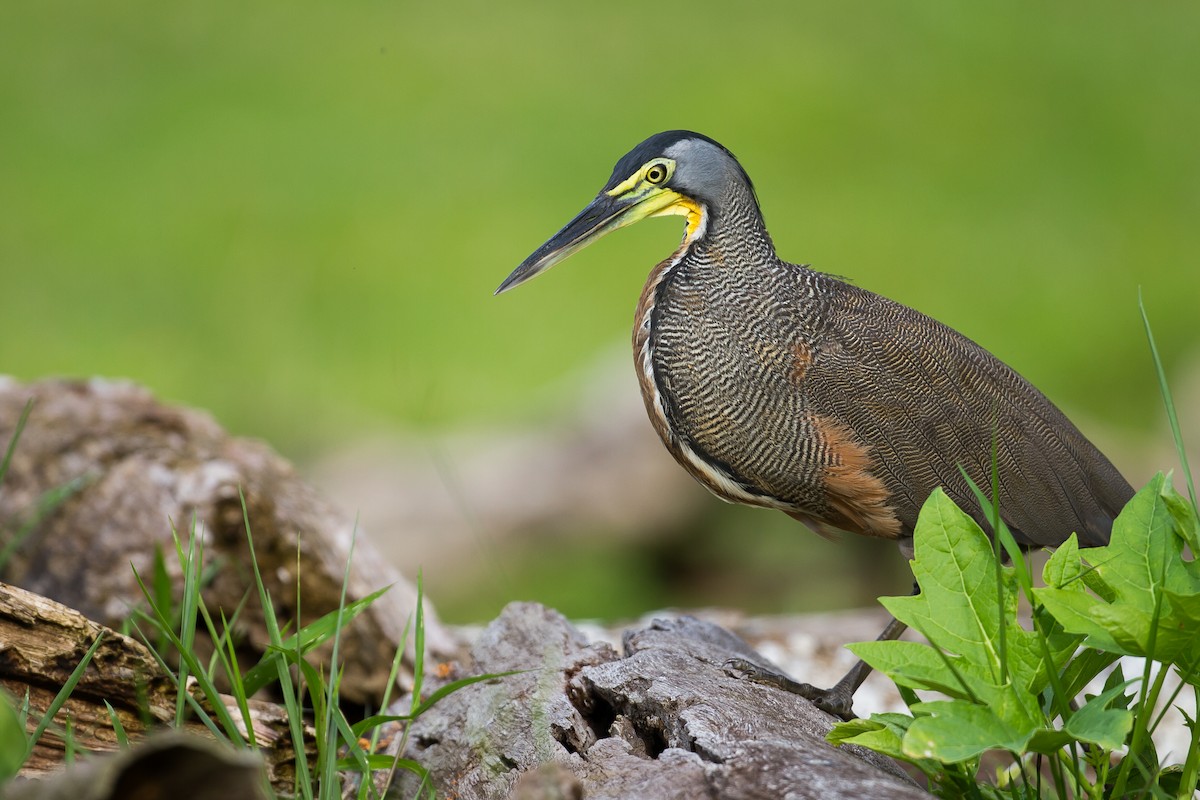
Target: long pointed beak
[603, 215]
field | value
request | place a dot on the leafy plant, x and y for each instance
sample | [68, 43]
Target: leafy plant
[1011, 689]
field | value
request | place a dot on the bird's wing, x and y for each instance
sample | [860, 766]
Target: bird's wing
[927, 399]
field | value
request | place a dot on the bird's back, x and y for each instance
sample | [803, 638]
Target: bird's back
[780, 386]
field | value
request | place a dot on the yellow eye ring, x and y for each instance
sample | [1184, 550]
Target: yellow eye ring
[657, 173]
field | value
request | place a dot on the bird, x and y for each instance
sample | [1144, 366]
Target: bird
[780, 386]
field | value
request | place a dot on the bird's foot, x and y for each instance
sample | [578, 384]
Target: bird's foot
[837, 701]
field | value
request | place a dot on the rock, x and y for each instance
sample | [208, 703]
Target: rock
[134, 468]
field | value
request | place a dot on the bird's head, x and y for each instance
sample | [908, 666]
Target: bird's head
[676, 172]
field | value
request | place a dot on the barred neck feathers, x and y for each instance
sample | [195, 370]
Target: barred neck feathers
[735, 226]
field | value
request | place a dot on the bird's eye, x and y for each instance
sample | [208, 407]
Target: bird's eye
[656, 173]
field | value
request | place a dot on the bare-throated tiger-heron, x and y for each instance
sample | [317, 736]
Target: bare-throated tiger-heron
[779, 386]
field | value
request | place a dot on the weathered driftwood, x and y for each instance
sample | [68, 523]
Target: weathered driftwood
[663, 721]
[42, 642]
[138, 466]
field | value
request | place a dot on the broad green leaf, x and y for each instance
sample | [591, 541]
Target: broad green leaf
[1146, 547]
[1086, 665]
[957, 608]
[1142, 563]
[1185, 615]
[959, 611]
[1170, 781]
[882, 733]
[955, 730]
[1099, 724]
[1063, 568]
[1186, 520]
[1048, 740]
[919, 666]
[1075, 610]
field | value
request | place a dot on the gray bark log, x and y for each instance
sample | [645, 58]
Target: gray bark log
[663, 721]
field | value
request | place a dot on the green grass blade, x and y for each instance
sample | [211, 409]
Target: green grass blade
[70, 747]
[12, 443]
[200, 713]
[335, 723]
[118, 727]
[291, 693]
[997, 544]
[225, 655]
[46, 505]
[183, 642]
[1191, 767]
[419, 645]
[236, 687]
[309, 637]
[1003, 535]
[162, 585]
[1165, 390]
[454, 686]
[61, 698]
[189, 666]
[375, 720]
[373, 762]
[366, 788]
[356, 755]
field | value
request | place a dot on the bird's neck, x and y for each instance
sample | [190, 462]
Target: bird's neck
[734, 224]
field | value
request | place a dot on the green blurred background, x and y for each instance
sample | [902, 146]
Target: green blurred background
[294, 214]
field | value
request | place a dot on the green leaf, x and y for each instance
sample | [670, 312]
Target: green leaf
[1063, 569]
[118, 727]
[919, 666]
[882, 733]
[381, 762]
[960, 612]
[13, 744]
[161, 583]
[955, 730]
[1142, 563]
[1086, 664]
[1099, 724]
[1186, 521]
[1048, 740]
[957, 605]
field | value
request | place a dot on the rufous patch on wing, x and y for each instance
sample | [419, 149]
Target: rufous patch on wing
[858, 501]
[802, 356]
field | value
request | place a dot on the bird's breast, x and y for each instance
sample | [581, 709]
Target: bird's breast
[723, 353]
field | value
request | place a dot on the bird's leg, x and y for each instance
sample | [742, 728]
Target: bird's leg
[836, 700]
